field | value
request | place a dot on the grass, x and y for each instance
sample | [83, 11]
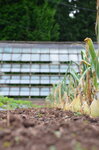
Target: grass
[10, 103]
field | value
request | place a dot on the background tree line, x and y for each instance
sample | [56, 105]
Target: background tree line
[47, 20]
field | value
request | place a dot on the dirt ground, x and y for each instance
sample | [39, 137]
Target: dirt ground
[47, 129]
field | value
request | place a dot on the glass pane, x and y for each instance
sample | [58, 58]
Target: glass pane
[14, 89]
[34, 68]
[44, 68]
[25, 77]
[35, 50]
[34, 77]
[44, 50]
[7, 50]
[1, 57]
[63, 68]
[26, 57]
[17, 50]
[35, 57]
[16, 77]
[54, 78]
[15, 66]
[34, 92]
[4, 89]
[54, 57]
[6, 65]
[63, 51]
[24, 89]
[63, 57]
[73, 57]
[44, 57]
[45, 79]
[16, 57]
[54, 69]
[26, 50]
[1, 50]
[44, 91]
[54, 50]
[5, 77]
[25, 66]
[6, 57]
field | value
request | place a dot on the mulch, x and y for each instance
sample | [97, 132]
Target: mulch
[48, 129]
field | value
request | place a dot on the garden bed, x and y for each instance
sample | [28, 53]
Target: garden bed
[48, 129]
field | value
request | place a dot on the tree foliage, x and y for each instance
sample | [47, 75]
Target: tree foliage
[47, 20]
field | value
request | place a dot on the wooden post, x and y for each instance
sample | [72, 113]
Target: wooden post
[97, 21]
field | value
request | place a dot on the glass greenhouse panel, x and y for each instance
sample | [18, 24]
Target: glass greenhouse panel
[54, 57]
[6, 81]
[34, 68]
[7, 50]
[54, 79]
[26, 50]
[45, 50]
[55, 51]
[54, 68]
[35, 79]
[4, 77]
[44, 91]
[1, 50]
[5, 67]
[25, 79]
[63, 68]
[63, 57]
[35, 57]
[16, 57]
[73, 51]
[25, 68]
[45, 80]
[24, 91]
[17, 50]
[0, 56]
[15, 80]
[44, 57]
[63, 51]
[34, 92]
[44, 68]
[6, 57]
[73, 57]
[75, 68]
[14, 91]
[35, 50]
[4, 91]
[15, 68]
[15, 77]
[79, 58]
[26, 57]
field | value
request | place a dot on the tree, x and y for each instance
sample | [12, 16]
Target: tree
[28, 20]
[46, 28]
[82, 22]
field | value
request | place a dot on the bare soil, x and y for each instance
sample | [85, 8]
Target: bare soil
[47, 129]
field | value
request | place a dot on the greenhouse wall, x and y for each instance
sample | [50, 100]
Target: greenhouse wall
[29, 69]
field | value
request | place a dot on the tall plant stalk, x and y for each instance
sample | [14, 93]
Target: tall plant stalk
[97, 33]
[97, 21]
